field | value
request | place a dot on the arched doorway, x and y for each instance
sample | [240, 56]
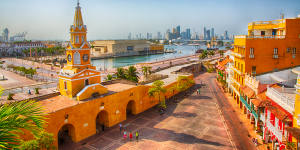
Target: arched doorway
[66, 136]
[130, 108]
[101, 121]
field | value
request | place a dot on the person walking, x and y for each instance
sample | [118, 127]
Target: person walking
[120, 125]
[137, 136]
[125, 135]
[130, 136]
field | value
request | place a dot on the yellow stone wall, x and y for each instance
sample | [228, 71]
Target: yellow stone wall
[82, 117]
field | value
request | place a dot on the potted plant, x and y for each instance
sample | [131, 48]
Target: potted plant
[10, 96]
[37, 91]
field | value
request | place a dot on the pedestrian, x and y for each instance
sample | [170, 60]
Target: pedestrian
[198, 91]
[125, 135]
[137, 136]
[130, 136]
[120, 128]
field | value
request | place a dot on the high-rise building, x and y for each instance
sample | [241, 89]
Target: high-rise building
[178, 31]
[129, 36]
[168, 35]
[212, 33]
[159, 36]
[226, 35]
[188, 33]
[204, 33]
[208, 35]
[5, 35]
[148, 36]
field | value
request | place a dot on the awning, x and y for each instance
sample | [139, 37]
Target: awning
[294, 131]
[248, 92]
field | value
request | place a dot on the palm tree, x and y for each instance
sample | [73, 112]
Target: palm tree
[121, 73]
[146, 70]
[221, 52]
[132, 74]
[44, 140]
[17, 117]
[211, 53]
[203, 55]
[156, 90]
[109, 77]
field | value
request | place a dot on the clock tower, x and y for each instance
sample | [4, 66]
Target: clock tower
[78, 77]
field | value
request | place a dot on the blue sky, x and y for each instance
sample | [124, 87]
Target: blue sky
[114, 19]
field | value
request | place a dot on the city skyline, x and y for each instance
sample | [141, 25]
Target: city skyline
[115, 19]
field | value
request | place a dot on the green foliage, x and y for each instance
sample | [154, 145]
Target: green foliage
[15, 117]
[43, 141]
[1, 91]
[210, 70]
[211, 53]
[203, 55]
[37, 91]
[131, 74]
[156, 90]
[24, 70]
[109, 77]
[10, 96]
[221, 52]
[146, 70]
[121, 73]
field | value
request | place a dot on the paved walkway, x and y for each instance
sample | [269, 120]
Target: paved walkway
[192, 123]
[14, 80]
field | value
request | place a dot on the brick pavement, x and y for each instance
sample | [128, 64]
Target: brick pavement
[192, 123]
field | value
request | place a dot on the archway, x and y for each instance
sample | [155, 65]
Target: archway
[102, 121]
[66, 136]
[130, 108]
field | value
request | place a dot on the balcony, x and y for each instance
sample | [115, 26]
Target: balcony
[267, 24]
[275, 56]
[245, 103]
[237, 71]
[281, 99]
[238, 54]
[274, 130]
[251, 56]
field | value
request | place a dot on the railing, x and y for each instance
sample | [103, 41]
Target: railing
[274, 130]
[262, 117]
[260, 36]
[266, 22]
[236, 82]
[238, 54]
[245, 103]
[239, 72]
[280, 99]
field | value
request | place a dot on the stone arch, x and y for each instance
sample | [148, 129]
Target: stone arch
[66, 135]
[131, 108]
[102, 120]
[77, 58]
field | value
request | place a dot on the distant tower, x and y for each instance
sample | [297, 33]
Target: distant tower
[129, 36]
[5, 35]
[188, 33]
[79, 76]
[204, 34]
[158, 35]
[226, 35]
[212, 32]
[208, 34]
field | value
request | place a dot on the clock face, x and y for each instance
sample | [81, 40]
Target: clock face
[69, 58]
[85, 57]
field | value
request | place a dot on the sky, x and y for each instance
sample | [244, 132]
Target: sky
[114, 19]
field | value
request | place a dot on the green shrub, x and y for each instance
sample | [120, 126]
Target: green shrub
[10, 96]
[37, 90]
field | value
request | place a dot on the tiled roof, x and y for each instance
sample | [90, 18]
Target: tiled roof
[256, 102]
[294, 131]
[280, 114]
[248, 91]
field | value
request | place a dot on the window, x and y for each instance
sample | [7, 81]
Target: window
[76, 39]
[254, 70]
[82, 39]
[294, 50]
[251, 51]
[129, 48]
[263, 33]
[77, 58]
[288, 49]
[275, 51]
[65, 85]
[86, 82]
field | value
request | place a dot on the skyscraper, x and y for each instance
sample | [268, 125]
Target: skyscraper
[226, 35]
[158, 35]
[129, 36]
[168, 35]
[188, 33]
[5, 35]
[212, 33]
[178, 31]
[208, 35]
[204, 34]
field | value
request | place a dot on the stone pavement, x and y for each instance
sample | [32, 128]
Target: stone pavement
[191, 123]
